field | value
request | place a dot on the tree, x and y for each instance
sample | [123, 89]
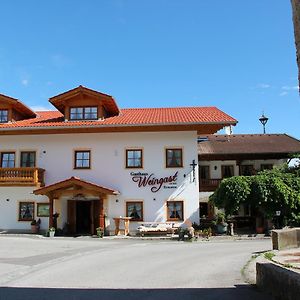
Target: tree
[296, 22]
[268, 191]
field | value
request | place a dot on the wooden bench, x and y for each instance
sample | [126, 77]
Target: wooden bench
[157, 228]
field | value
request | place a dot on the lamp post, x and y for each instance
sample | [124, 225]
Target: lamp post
[263, 120]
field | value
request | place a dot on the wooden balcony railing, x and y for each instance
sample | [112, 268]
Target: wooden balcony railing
[22, 176]
[209, 185]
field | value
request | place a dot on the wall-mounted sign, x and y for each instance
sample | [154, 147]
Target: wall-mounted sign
[146, 179]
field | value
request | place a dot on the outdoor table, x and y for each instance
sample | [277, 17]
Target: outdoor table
[126, 225]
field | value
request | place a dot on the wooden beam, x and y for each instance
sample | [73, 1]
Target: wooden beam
[101, 214]
[51, 199]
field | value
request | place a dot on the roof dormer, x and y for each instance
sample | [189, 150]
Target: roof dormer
[12, 110]
[84, 104]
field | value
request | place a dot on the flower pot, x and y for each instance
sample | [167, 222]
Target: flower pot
[221, 228]
[260, 230]
[35, 228]
[51, 234]
[100, 233]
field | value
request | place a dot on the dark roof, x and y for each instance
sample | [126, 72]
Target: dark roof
[250, 145]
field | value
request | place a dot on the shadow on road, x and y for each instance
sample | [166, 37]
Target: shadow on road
[238, 292]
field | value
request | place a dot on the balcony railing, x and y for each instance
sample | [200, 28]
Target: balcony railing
[209, 185]
[22, 176]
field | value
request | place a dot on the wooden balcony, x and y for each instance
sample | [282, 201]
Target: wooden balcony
[22, 177]
[209, 185]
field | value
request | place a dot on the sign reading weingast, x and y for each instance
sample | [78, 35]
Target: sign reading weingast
[146, 179]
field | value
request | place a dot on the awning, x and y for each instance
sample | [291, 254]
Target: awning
[75, 182]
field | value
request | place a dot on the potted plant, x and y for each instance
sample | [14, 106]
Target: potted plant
[220, 223]
[100, 232]
[51, 231]
[35, 226]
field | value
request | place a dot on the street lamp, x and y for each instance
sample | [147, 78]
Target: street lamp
[263, 120]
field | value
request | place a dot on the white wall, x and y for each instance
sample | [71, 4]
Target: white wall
[9, 207]
[55, 153]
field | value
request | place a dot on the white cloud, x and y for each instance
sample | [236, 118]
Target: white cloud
[263, 85]
[283, 93]
[40, 108]
[60, 60]
[290, 88]
[24, 82]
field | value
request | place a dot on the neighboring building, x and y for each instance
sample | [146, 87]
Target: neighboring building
[90, 161]
[222, 156]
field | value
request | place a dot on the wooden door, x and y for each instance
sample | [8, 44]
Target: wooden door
[72, 216]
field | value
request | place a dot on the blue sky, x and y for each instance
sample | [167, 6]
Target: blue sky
[236, 55]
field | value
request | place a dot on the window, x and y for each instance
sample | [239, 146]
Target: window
[134, 210]
[247, 170]
[175, 210]
[28, 159]
[227, 171]
[82, 159]
[266, 167]
[43, 210]
[26, 211]
[8, 160]
[174, 158]
[203, 209]
[134, 158]
[84, 113]
[204, 172]
[3, 115]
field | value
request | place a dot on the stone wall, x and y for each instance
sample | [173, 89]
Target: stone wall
[286, 238]
[283, 284]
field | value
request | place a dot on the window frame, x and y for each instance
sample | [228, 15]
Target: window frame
[181, 156]
[263, 167]
[1, 159]
[21, 159]
[201, 167]
[182, 208]
[1, 116]
[19, 211]
[247, 166]
[127, 166]
[223, 168]
[75, 160]
[38, 205]
[141, 219]
[84, 113]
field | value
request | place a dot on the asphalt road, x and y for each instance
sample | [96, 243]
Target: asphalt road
[86, 268]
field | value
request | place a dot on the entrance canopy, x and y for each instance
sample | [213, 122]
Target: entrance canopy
[75, 183]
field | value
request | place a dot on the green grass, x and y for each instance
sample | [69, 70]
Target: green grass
[269, 255]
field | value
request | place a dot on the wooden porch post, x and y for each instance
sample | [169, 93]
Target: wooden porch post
[50, 210]
[101, 213]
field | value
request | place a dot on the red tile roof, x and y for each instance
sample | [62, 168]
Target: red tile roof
[132, 117]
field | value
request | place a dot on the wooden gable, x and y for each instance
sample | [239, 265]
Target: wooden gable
[16, 109]
[84, 97]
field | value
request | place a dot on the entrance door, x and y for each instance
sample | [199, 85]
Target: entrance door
[72, 216]
[83, 217]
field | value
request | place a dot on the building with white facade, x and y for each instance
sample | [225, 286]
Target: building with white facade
[89, 161]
